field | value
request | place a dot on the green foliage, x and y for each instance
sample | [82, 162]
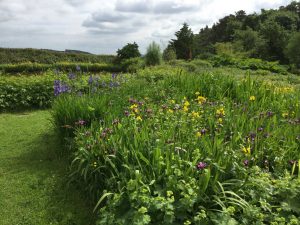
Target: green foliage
[184, 43]
[128, 51]
[62, 66]
[171, 147]
[263, 35]
[169, 54]
[132, 65]
[153, 55]
[292, 50]
[25, 92]
[42, 56]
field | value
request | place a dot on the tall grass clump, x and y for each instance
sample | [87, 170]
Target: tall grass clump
[153, 56]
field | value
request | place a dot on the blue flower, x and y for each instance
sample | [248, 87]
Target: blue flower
[90, 80]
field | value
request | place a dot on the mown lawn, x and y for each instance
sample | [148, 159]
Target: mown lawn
[33, 177]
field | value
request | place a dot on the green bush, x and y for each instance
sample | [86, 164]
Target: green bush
[128, 51]
[153, 56]
[169, 54]
[292, 50]
[18, 93]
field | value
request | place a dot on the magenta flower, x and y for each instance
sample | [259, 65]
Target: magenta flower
[201, 165]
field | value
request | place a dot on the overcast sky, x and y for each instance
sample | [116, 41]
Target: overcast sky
[101, 26]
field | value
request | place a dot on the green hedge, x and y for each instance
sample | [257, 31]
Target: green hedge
[66, 67]
[25, 92]
[43, 56]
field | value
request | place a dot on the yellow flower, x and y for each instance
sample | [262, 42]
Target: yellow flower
[201, 99]
[195, 114]
[172, 101]
[252, 98]
[186, 103]
[197, 93]
[133, 106]
[247, 150]
[198, 134]
[170, 110]
[185, 109]
[220, 120]
[95, 164]
[220, 112]
[285, 114]
[139, 118]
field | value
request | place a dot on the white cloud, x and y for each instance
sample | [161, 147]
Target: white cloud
[101, 26]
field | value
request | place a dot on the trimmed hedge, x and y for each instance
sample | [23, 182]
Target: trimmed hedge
[66, 67]
[18, 93]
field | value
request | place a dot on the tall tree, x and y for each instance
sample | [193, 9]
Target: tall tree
[183, 45]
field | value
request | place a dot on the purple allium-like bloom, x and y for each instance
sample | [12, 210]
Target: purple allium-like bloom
[140, 103]
[260, 129]
[77, 67]
[114, 76]
[246, 162]
[201, 165]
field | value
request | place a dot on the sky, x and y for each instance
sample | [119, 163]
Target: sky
[102, 27]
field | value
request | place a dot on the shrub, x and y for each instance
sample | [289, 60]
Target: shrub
[292, 50]
[169, 54]
[128, 51]
[18, 93]
[153, 56]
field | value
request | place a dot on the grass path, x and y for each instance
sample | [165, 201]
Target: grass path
[33, 187]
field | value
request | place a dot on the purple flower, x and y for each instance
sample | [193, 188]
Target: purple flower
[260, 129]
[72, 76]
[80, 122]
[114, 76]
[126, 113]
[201, 165]
[246, 162]
[77, 68]
[60, 87]
[270, 114]
[203, 131]
[90, 80]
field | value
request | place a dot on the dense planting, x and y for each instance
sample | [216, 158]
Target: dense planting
[169, 147]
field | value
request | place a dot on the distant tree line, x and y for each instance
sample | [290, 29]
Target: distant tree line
[271, 35]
